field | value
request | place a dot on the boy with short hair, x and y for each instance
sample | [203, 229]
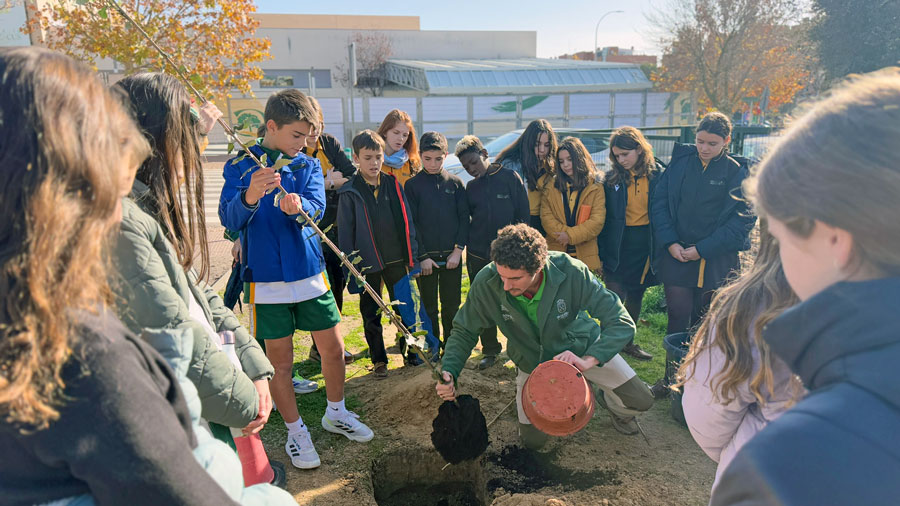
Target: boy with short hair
[283, 264]
[373, 220]
[497, 198]
[440, 210]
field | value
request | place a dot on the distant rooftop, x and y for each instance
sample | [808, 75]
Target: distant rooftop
[530, 75]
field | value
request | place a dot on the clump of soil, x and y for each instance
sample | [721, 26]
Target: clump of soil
[524, 470]
[460, 430]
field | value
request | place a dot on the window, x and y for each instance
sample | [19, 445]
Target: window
[296, 78]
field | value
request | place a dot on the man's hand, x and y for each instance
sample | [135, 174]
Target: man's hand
[209, 113]
[291, 204]
[427, 265]
[261, 181]
[265, 408]
[677, 252]
[562, 238]
[454, 258]
[583, 364]
[690, 254]
[446, 390]
[236, 251]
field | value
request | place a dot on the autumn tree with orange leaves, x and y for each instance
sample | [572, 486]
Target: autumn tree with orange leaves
[728, 50]
[212, 39]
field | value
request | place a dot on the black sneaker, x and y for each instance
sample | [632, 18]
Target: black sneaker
[487, 362]
[634, 350]
[660, 389]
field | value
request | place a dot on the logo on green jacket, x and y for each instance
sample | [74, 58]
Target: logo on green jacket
[561, 309]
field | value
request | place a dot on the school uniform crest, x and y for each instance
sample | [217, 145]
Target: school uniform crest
[561, 309]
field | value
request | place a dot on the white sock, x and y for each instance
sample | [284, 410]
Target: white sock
[295, 427]
[336, 410]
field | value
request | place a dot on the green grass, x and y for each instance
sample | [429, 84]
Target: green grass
[650, 337]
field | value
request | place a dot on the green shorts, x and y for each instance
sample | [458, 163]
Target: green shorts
[273, 321]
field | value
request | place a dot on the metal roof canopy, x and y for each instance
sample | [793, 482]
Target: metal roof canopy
[521, 76]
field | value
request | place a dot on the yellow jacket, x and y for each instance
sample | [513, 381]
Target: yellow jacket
[590, 218]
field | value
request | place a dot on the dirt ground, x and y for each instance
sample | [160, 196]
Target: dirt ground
[596, 466]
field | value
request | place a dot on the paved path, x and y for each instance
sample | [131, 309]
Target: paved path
[219, 248]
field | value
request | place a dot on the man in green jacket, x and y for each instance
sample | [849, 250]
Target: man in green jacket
[546, 305]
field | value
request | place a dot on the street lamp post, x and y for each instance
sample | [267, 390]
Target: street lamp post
[597, 28]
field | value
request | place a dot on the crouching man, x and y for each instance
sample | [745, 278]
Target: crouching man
[546, 305]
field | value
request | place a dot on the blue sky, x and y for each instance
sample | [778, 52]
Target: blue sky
[562, 26]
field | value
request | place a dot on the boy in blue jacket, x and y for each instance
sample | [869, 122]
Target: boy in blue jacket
[282, 262]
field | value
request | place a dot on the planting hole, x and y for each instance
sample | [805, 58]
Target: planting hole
[415, 477]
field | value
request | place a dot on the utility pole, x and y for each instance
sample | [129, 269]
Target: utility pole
[597, 28]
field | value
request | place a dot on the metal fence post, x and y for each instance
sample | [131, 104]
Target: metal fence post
[518, 111]
[420, 121]
[470, 115]
[612, 110]
[644, 108]
[566, 110]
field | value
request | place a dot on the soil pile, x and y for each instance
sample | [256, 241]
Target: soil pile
[460, 430]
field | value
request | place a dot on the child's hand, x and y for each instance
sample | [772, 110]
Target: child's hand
[427, 265]
[236, 251]
[690, 254]
[261, 181]
[677, 252]
[209, 113]
[454, 258]
[290, 204]
[334, 180]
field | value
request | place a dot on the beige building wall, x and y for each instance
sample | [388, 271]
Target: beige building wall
[337, 22]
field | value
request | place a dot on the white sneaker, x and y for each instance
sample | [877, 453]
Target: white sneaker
[300, 449]
[349, 426]
[303, 385]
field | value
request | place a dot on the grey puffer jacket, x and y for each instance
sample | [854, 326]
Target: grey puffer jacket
[153, 291]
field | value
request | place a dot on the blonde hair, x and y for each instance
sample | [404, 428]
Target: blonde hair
[734, 323]
[469, 143]
[68, 151]
[837, 164]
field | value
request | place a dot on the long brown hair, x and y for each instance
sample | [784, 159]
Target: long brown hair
[837, 164]
[629, 138]
[162, 107]
[522, 150]
[584, 172]
[68, 150]
[734, 323]
[412, 144]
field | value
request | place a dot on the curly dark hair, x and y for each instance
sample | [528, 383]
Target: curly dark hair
[520, 247]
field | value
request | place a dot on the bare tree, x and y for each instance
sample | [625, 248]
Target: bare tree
[727, 50]
[373, 49]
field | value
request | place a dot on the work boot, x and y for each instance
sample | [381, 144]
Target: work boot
[624, 424]
[487, 361]
[531, 437]
[660, 389]
[634, 350]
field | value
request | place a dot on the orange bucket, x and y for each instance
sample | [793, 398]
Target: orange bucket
[557, 399]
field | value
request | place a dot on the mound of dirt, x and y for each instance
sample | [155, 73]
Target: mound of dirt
[406, 403]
